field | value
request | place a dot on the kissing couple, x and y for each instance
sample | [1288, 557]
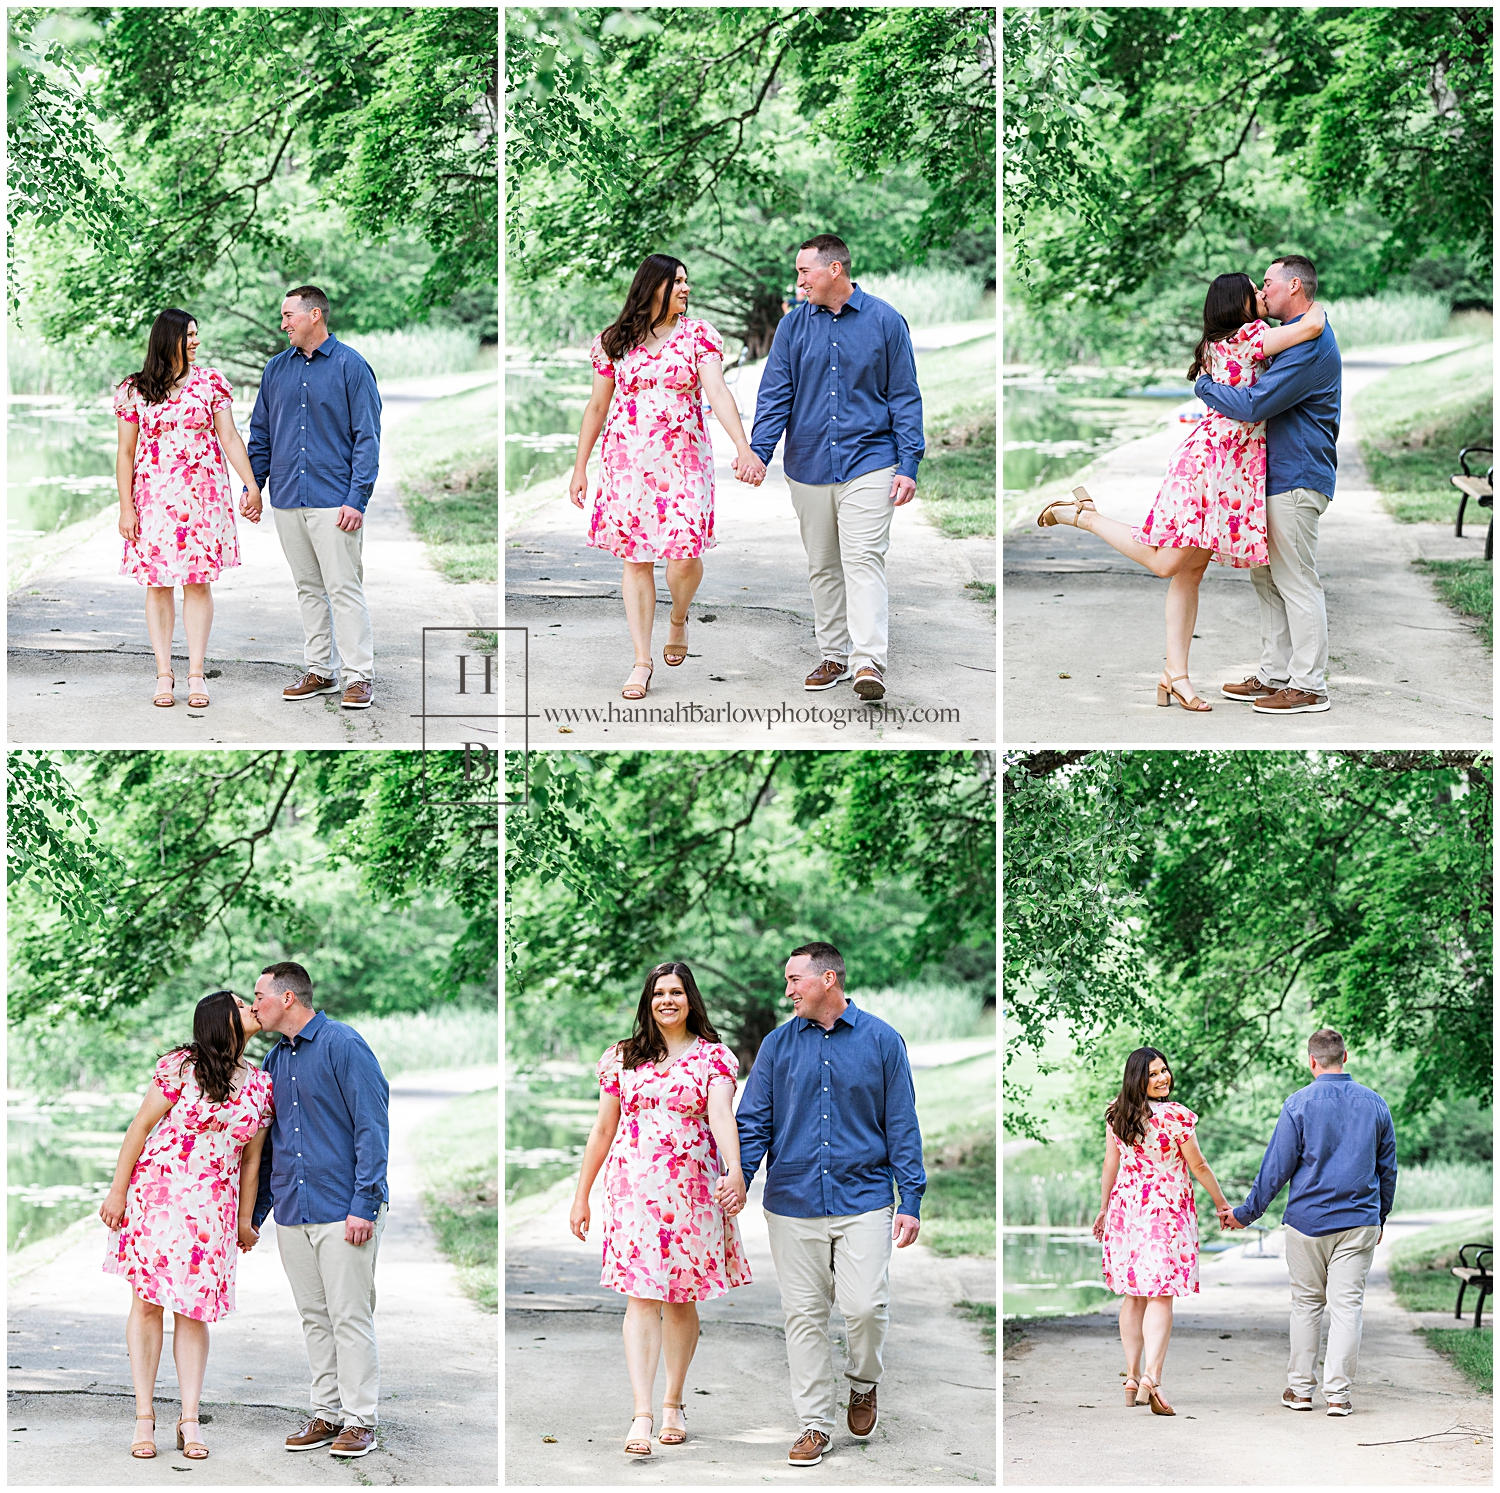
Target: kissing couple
[216, 1146]
[840, 383]
[830, 1102]
[314, 435]
[1247, 486]
[1334, 1142]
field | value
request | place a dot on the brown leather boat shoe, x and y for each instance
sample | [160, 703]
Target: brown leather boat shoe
[808, 1449]
[317, 1432]
[869, 683]
[1290, 701]
[353, 1441]
[828, 673]
[359, 696]
[1249, 690]
[863, 1415]
[308, 685]
[1293, 1401]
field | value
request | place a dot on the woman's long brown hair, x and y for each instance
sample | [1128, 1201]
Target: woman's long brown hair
[1229, 304]
[646, 1044]
[633, 325]
[218, 1041]
[1131, 1108]
[166, 355]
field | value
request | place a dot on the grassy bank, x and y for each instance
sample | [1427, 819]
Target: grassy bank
[448, 466]
[956, 1106]
[956, 484]
[1413, 423]
[1420, 1276]
[1468, 586]
[982, 1312]
[461, 1190]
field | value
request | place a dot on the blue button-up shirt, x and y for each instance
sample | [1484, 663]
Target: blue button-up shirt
[315, 430]
[836, 1114]
[844, 390]
[1298, 398]
[1336, 1143]
[324, 1160]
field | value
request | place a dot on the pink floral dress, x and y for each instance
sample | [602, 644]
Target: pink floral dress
[178, 1246]
[1151, 1224]
[665, 1238]
[183, 497]
[1214, 496]
[655, 499]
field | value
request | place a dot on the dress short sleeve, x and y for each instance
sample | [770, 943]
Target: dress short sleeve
[1178, 1121]
[265, 1101]
[609, 1071]
[1251, 339]
[602, 365]
[706, 343]
[220, 395]
[126, 403]
[722, 1066]
[168, 1076]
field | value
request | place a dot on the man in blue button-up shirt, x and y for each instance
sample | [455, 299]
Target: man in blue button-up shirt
[831, 1107]
[841, 382]
[323, 1168]
[1335, 1143]
[315, 433]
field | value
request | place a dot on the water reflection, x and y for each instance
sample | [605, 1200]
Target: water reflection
[61, 465]
[544, 1140]
[1051, 1274]
[1055, 429]
[544, 403]
[60, 1155]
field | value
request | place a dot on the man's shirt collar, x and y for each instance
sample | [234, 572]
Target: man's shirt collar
[847, 1016]
[310, 1031]
[855, 302]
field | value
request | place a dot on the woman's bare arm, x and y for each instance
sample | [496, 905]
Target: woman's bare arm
[593, 422]
[153, 1107]
[250, 1186]
[129, 438]
[1111, 1172]
[727, 1138]
[1203, 1172]
[239, 458]
[1278, 339]
[601, 1138]
[748, 466]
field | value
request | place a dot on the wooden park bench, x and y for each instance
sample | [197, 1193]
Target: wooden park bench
[1477, 1274]
[1481, 489]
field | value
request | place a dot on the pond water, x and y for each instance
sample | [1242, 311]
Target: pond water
[544, 1140]
[1052, 430]
[1048, 1274]
[61, 465]
[60, 1156]
[544, 403]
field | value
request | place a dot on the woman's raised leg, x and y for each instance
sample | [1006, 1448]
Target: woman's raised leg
[680, 1331]
[161, 620]
[1121, 537]
[642, 1354]
[143, 1331]
[190, 1354]
[638, 587]
[683, 579]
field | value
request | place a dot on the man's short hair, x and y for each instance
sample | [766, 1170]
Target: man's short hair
[312, 299]
[830, 247]
[289, 976]
[1326, 1046]
[1302, 267]
[824, 957]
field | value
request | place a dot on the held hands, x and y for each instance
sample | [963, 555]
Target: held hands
[112, 1210]
[748, 467]
[730, 1192]
[903, 490]
[250, 504]
[358, 1230]
[1227, 1221]
[350, 519]
[904, 1230]
[249, 1236]
[578, 1219]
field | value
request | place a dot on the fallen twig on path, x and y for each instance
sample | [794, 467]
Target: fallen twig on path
[1455, 1430]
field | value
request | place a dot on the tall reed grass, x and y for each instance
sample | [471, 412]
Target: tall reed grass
[930, 298]
[450, 1037]
[926, 1013]
[1444, 1184]
[418, 352]
[1393, 316]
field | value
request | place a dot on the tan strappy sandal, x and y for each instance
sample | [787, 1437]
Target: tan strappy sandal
[194, 1450]
[1159, 1404]
[638, 691]
[670, 1435]
[1078, 500]
[1168, 693]
[144, 1450]
[638, 1446]
[198, 698]
[674, 653]
[1132, 1389]
[164, 698]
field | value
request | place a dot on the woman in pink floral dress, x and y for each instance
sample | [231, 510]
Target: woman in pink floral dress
[176, 427]
[1212, 505]
[667, 1243]
[654, 500]
[181, 1200]
[1148, 1220]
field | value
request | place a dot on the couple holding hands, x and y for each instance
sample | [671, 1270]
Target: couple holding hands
[1334, 1142]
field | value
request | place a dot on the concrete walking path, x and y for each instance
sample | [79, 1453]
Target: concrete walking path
[70, 1391]
[565, 1372]
[748, 660]
[80, 670]
[1084, 632]
[1066, 1421]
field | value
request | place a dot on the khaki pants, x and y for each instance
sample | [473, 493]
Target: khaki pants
[333, 1284]
[817, 1261]
[846, 530]
[328, 567]
[1327, 1271]
[1293, 617]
